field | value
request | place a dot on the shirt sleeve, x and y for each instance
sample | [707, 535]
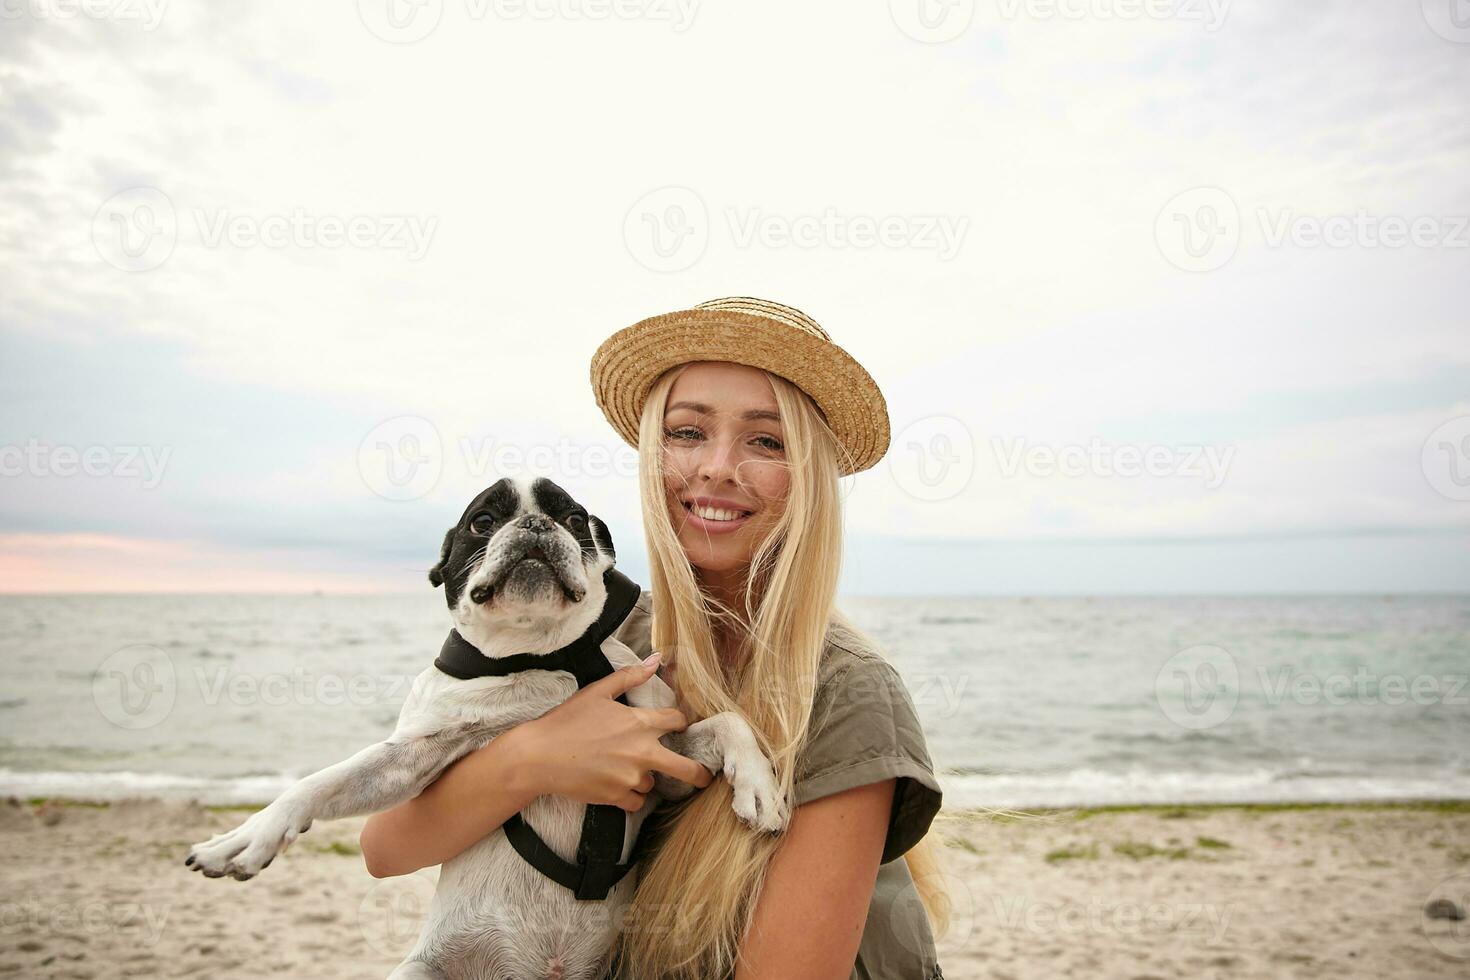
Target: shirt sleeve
[637, 629]
[864, 730]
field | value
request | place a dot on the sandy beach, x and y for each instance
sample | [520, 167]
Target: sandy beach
[1160, 892]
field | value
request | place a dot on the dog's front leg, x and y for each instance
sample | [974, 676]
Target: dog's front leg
[378, 777]
[725, 743]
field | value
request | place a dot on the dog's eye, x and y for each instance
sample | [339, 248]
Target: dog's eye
[577, 520]
[482, 522]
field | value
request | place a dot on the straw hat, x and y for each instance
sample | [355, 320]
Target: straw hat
[756, 332]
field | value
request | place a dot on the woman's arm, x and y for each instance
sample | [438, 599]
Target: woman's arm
[590, 748]
[811, 912]
[472, 797]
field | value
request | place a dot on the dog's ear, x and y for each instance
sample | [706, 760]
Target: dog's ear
[601, 536]
[436, 574]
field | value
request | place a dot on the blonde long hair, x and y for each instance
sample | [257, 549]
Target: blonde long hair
[697, 893]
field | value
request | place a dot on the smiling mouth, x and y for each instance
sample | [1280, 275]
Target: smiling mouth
[715, 514]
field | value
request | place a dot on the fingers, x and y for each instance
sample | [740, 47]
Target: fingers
[624, 678]
[681, 767]
[668, 719]
[634, 799]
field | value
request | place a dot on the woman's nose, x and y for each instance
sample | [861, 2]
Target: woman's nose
[717, 460]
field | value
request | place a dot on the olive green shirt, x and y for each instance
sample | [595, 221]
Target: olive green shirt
[864, 730]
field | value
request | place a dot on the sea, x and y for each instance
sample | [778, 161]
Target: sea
[1026, 703]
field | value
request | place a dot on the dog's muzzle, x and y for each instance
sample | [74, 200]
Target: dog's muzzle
[539, 547]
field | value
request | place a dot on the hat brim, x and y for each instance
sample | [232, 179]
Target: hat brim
[627, 364]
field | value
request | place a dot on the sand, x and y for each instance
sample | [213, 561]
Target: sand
[1322, 891]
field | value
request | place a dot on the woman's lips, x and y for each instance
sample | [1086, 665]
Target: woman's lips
[713, 527]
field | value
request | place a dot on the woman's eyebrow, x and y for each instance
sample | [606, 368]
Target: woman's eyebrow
[703, 409]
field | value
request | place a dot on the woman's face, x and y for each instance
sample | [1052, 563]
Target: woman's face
[725, 468]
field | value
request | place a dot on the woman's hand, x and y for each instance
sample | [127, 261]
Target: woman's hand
[593, 749]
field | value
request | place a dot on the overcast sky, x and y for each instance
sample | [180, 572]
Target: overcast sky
[1164, 296]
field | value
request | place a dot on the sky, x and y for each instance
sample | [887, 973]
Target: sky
[1164, 295]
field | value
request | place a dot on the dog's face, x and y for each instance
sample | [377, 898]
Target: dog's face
[524, 553]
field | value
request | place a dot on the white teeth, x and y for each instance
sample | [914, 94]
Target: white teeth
[715, 514]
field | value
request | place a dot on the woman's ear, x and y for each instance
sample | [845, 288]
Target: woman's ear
[436, 574]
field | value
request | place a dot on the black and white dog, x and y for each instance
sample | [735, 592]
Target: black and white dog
[528, 575]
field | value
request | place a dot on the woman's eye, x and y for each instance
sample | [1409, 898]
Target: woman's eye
[771, 443]
[683, 432]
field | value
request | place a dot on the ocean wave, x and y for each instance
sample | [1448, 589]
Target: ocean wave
[1094, 787]
[962, 790]
[82, 785]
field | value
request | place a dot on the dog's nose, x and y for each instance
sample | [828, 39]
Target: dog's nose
[536, 523]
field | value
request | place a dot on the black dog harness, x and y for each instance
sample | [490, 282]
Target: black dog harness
[603, 826]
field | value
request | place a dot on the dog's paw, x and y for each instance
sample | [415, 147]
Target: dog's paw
[758, 799]
[244, 852]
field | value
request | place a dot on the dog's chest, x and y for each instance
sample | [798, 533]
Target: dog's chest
[523, 695]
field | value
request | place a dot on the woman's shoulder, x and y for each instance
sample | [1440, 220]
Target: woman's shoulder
[636, 630]
[849, 653]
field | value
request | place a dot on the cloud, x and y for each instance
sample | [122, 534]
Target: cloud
[517, 147]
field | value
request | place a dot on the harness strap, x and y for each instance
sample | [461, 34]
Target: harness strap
[604, 826]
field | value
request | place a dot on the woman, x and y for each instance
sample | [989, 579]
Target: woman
[745, 416]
